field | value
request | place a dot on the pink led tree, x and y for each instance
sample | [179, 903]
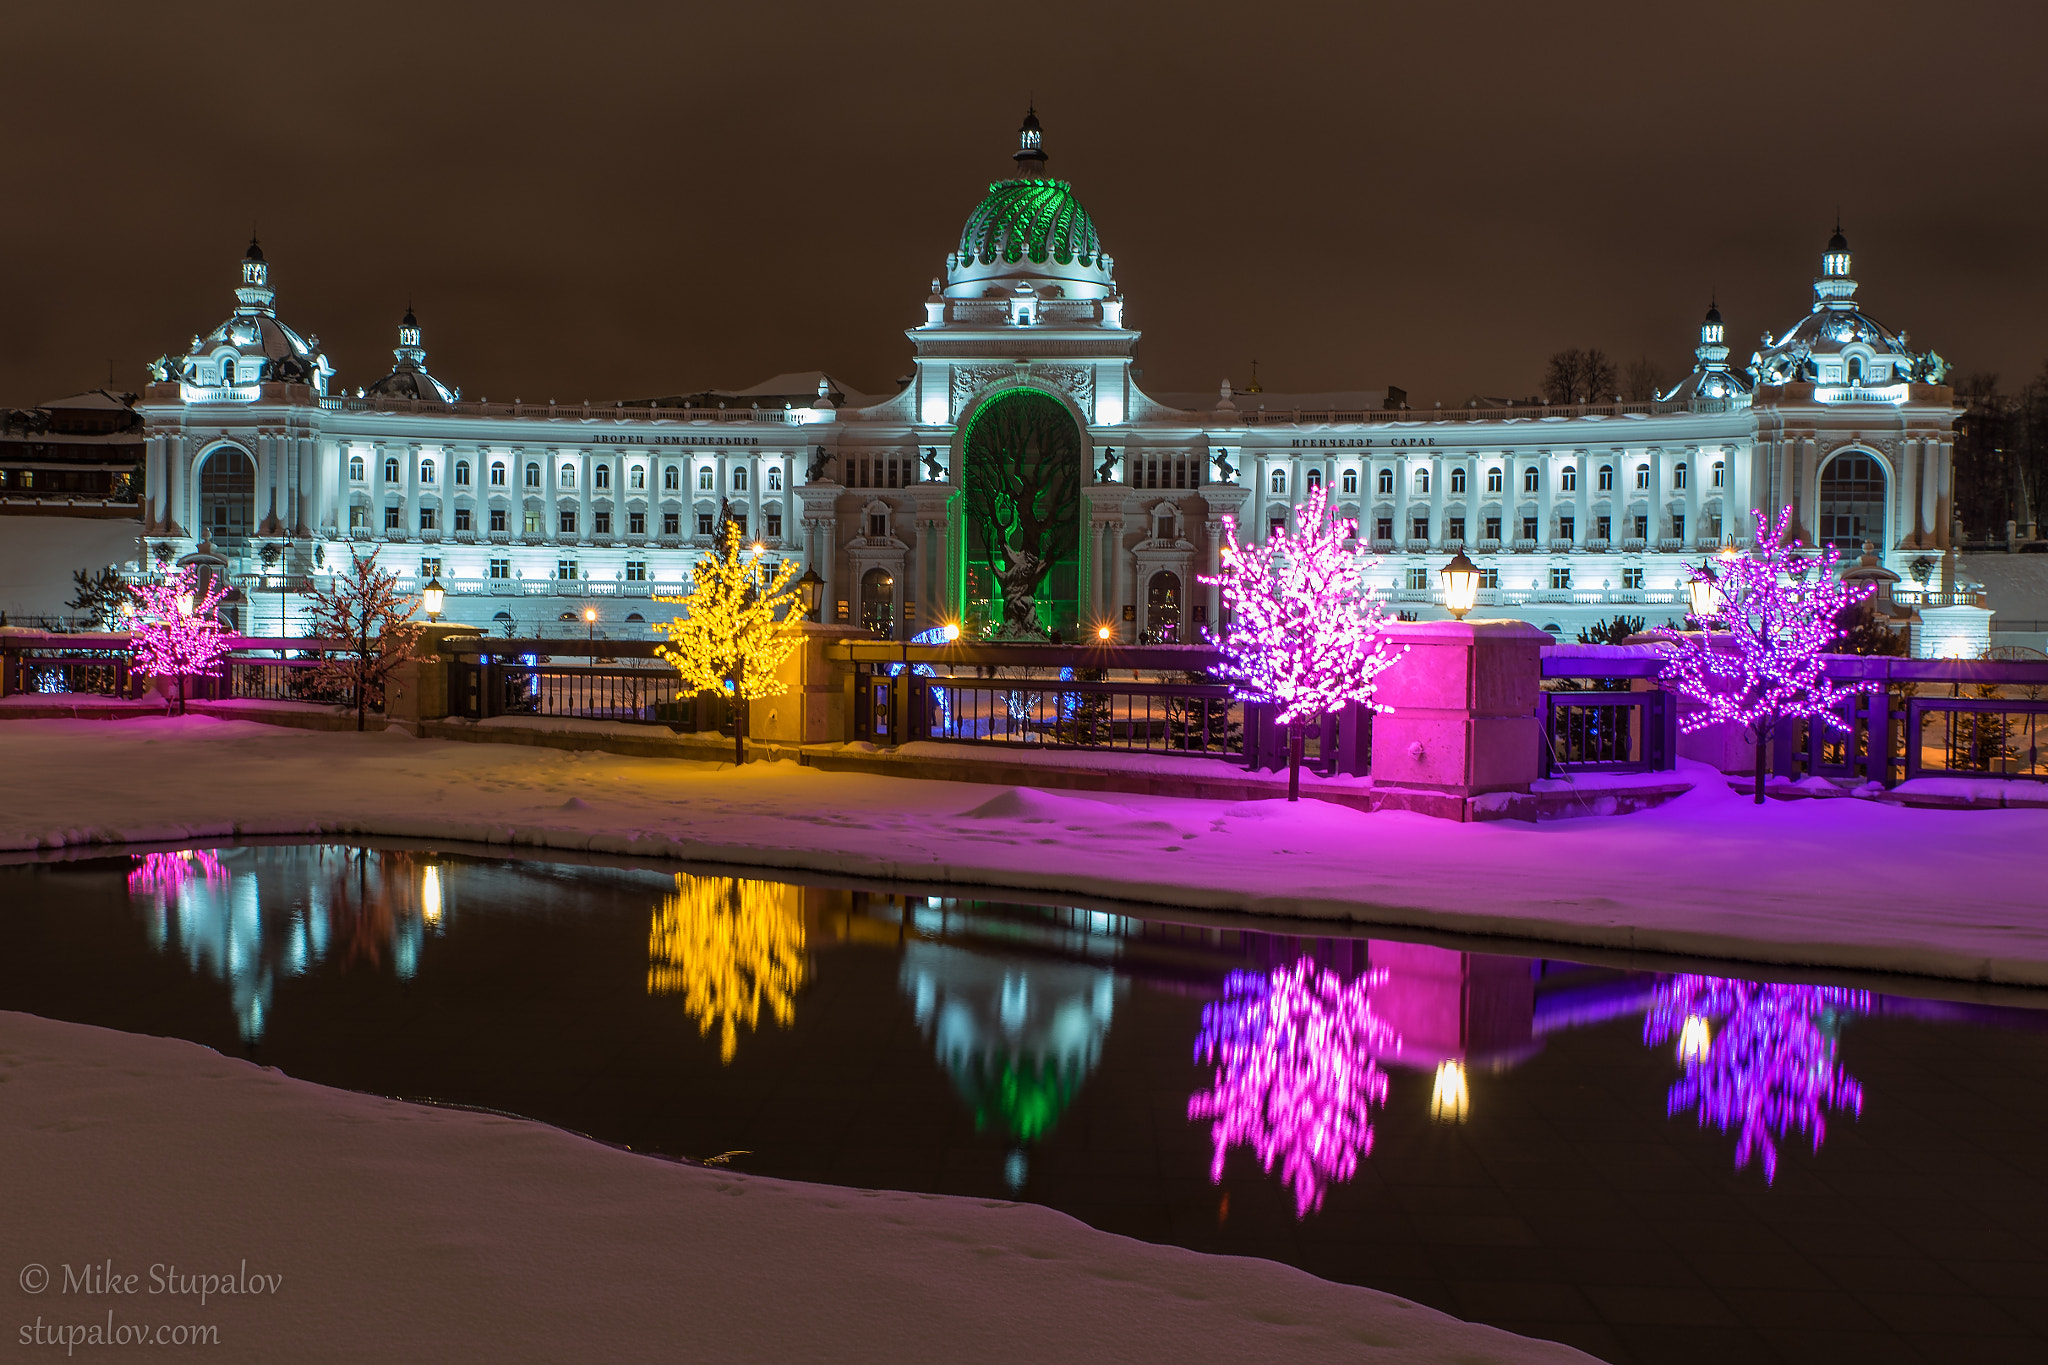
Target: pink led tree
[1295, 1075]
[363, 612]
[1780, 611]
[1758, 1057]
[1306, 633]
[175, 631]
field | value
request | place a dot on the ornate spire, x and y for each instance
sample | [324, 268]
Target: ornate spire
[409, 353]
[1835, 284]
[254, 294]
[1030, 153]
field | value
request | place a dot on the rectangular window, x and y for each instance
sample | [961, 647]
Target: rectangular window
[1383, 528]
[428, 518]
[878, 525]
[636, 571]
[1560, 578]
[1493, 528]
[1456, 528]
[501, 568]
[1277, 526]
[565, 568]
[1420, 529]
[1603, 527]
[671, 523]
[1489, 578]
[1642, 528]
[358, 518]
[1678, 526]
[703, 523]
[1567, 528]
[532, 523]
[1632, 578]
[636, 523]
[1418, 580]
[566, 521]
[391, 515]
[1528, 528]
[601, 523]
[774, 520]
[1714, 525]
[430, 568]
[462, 519]
[739, 523]
[498, 519]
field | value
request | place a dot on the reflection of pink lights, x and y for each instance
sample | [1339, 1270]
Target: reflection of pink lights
[164, 873]
[1295, 1078]
[1770, 1065]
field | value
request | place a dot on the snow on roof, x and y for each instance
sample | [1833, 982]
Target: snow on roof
[2016, 585]
[99, 399]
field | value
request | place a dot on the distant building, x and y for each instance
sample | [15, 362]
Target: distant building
[75, 456]
[528, 510]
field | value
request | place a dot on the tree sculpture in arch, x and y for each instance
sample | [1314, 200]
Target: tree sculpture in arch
[1024, 496]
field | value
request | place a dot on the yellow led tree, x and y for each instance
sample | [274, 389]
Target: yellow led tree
[741, 620]
[729, 946]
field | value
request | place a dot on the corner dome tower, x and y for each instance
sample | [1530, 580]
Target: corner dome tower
[1029, 235]
[409, 377]
[251, 348]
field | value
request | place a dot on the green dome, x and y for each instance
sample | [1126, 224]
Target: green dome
[1038, 220]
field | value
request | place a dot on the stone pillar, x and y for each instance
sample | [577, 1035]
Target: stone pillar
[584, 465]
[419, 691]
[1546, 501]
[813, 709]
[1439, 490]
[1931, 479]
[1464, 728]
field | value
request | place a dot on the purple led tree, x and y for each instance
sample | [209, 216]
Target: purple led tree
[176, 630]
[1770, 1065]
[1780, 611]
[1306, 632]
[1295, 1075]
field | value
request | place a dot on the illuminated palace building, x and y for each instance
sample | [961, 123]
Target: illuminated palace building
[1020, 479]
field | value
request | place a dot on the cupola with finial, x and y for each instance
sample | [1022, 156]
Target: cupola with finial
[1835, 284]
[1030, 153]
[254, 293]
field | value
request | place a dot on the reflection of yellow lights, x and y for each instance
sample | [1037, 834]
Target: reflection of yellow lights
[430, 895]
[1450, 1101]
[1694, 1039]
[726, 945]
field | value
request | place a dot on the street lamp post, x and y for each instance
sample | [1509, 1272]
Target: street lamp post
[590, 630]
[432, 597]
[1461, 585]
[812, 589]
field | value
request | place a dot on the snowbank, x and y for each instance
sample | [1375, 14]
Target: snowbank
[409, 1233]
[1841, 883]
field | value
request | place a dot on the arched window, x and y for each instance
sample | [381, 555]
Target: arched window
[1531, 480]
[1852, 501]
[1854, 373]
[1458, 479]
[707, 480]
[227, 373]
[774, 478]
[497, 473]
[567, 474]
[601, 476]
[533, 476]
[878, 602]
[739, 479]
[1678, 475]
[1279, 481]
[1385, 482]
[356, 472]
[462, 473]
[426, 471]
[1642, 476]
[1350, 483]
[1315, 479]
[1719, 472]
[391, 469]
[227, 494]
[637, 480]
[672, 480]
[1422, 481]
[1162, 605]
[1606, 478]
[1569, 479]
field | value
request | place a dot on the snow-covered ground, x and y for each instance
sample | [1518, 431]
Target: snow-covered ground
[1845, 883]
[402, 1233]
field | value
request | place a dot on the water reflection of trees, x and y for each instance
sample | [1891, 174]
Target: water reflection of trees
[1759, 1057]
[1295, 1076]
[728, 946]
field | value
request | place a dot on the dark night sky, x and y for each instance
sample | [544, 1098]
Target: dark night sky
[606, 200]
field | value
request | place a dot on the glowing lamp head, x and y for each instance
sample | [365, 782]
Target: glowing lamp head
[1703, 594]
[952, 631]
[1103, 633]
[812, 589]
[433, 595]
[184, 604]
[589, 615]
[1461, 585]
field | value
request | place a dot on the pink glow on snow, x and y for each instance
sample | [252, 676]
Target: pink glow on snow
[1295, 1075]
[1758, 1057]
[164, 873]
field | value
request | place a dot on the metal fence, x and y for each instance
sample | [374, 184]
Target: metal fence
[1591, 732]
[620, 680]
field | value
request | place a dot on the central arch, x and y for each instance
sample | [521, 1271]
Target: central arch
[1022, 493]
[227, 495]
[1853, 500]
